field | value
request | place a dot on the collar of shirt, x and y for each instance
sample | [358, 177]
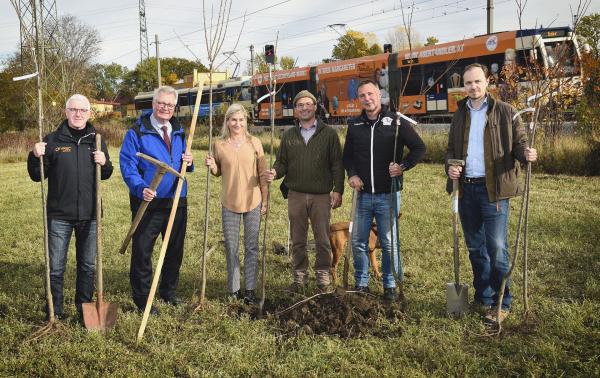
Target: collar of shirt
[158, 126]
[308, 133]
[483, 106]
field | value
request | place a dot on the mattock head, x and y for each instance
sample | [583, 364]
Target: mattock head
[162, 166]
[456, 162]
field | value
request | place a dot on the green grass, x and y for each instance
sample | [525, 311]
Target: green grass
[562, 339]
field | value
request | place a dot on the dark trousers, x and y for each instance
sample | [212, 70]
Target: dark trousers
[152, 224]
[59, 236]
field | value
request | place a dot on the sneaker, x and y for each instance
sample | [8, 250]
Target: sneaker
[481, 309]
[389, 294]
[153, 310]
[296, 288]
[249, 297]
[235, 295]
[173, 301]
[323, 288]
[491, 314]
[362, 289]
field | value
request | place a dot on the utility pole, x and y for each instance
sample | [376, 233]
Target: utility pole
[251, 60]
[490, 16]
[157, 61]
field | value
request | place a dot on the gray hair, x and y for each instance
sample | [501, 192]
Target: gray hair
[167, 89]
[231, 110]
[78, 97]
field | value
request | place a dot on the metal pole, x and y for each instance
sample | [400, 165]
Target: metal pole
[157, 61]
[490, 16]
[251, 60]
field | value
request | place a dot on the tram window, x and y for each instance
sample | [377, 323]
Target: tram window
[561, 54]
[411, 80]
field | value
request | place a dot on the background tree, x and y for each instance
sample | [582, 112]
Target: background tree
[282, 63]
[108, 80]
[398, 37]
[11, 96]
[143, 77]
[355, 44]
[588, 110]
[431, 40]
[588, 27]
[79, 45]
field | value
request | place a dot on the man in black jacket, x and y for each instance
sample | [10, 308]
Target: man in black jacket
[70, 159]
[371, 166]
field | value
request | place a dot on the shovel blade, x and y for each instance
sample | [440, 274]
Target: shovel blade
[456, 299]
[99, 316]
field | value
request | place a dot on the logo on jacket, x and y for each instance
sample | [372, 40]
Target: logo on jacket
[63, 149]
[386, 121]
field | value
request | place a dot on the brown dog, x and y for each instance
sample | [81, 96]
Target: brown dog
[338, 237]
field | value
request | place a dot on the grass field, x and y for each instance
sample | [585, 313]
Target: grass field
[561, 338]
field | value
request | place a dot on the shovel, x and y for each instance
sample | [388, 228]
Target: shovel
[456, 293]
[101, 315]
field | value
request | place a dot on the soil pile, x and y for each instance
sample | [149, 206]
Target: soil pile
[341, 313]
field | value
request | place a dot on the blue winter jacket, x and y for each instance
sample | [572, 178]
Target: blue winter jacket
[138, 173]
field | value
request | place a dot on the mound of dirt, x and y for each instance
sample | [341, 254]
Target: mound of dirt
[344, 314]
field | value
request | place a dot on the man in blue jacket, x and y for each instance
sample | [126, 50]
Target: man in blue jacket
[70, 159]
[162, 137]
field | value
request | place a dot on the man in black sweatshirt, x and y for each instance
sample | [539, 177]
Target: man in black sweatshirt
[70, 159]
[371, 166]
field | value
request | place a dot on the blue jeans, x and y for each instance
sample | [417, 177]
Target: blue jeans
[371, 206]
[485, 225]
[59, 235]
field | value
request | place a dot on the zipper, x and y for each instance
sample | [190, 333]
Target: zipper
[372, 157]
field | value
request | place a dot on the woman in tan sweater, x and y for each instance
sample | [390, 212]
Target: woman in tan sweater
[239, 158]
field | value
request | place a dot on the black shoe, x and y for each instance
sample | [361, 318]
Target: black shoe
[235, 295]
[173, 301]
[249, 297]
[56, 317]
[389, 294]
[362, 289]
[296, 288]
[153, 310]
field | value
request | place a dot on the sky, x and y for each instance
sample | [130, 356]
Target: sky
[301, 27]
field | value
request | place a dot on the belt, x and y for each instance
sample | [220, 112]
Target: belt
[474, 180]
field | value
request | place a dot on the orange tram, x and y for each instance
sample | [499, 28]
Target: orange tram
[424, 83]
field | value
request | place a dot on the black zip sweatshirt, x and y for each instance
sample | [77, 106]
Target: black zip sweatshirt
[369, 149]
[71, 172]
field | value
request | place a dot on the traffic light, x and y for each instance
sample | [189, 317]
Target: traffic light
[387, 48]
[270, 54]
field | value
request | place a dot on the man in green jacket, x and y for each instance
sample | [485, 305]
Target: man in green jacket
[486, 134]
[310, 159]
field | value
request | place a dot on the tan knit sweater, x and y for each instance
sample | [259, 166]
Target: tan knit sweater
[240, 169]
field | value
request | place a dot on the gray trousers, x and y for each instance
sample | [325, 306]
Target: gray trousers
[231, 231]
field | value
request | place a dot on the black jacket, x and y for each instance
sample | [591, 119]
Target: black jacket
[369, 149]
[71, 173]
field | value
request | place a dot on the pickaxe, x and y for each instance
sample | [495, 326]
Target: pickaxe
[161, 169]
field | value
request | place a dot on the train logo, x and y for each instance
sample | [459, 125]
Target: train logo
[492, 43]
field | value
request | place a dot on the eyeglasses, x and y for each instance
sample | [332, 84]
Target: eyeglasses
[77, 110]
[165, 105]
[302, 106]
